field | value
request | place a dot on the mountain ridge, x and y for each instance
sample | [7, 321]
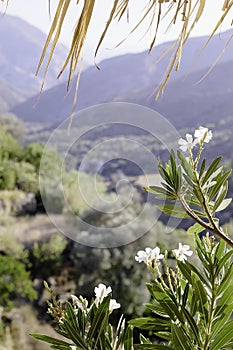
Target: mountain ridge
[129, 78]
[20, 49]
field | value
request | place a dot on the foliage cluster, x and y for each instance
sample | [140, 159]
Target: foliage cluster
[15, 280]
[191, 301]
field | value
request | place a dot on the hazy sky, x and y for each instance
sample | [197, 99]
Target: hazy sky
[36, 12]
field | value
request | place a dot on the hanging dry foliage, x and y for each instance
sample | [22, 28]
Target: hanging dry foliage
[184, 13]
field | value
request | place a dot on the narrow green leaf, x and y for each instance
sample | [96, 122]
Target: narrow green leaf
[185, 295]
[187, 167]
[164, 335]
[220, 197]
[144, 340]
[221, 320]
[210, 170]
[220, 250]
[192, 324]
[180, 338]
[128, 338]
[202, 167]
[226, 281]
[160, 192]
[224, 204]
[157, 309]
[196, 228]
[219, 182]
[74, 335]
[99, 318]
[202, 298]
[224, 260]
[50, 340]
[71, 316]
[223, 337]
[153, 347]
[150, 323]
[173, 210]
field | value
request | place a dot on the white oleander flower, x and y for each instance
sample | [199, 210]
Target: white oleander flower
[80, 302]
[149, 256]
[113, 305]
[182, 252]
[203, 135]
[101, 292]
[188, 144]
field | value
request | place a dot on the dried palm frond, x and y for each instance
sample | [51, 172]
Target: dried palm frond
[183, 13]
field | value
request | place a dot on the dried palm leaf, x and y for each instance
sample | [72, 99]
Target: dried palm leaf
[186, 13]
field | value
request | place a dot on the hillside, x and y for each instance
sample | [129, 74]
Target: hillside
[130, 77]
[20, 49]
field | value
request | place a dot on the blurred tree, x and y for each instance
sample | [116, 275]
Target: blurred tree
[7, 175]
[14, 281]
[14, 126]
[32, 154]
[9, 146]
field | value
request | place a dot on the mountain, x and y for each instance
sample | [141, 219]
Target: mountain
[20, 49]
[133, 77]
[189, 102]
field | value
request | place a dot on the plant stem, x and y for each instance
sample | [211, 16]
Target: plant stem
[212, 228]
[211, 317]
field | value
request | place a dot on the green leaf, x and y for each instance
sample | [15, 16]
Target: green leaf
[71, 316]
[226, 281]
[210, 170]
[220, 250]
[221, 320]
[202, 167]
[160, 192]
[157, 309]
[100, 318]
[74, 335]
[166, 300]
[223, 261]
[61, 347]
[196, 228]
[164, 335]
[128, 338]
[225, 300]
[165, 174]
[51, 340]
[153, 347]
[185, 295]
[120, 332]
[173, 210]
[202, 298]
[144, 340]
[223, 337]
[220, 197]
[180, 338]
[220, 180]
[192, 324]
[150, 323]
[187, 167]
[225, 203]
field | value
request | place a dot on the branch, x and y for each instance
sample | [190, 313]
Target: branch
[212, 228]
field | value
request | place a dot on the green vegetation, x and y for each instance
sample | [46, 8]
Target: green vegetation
[14, 281]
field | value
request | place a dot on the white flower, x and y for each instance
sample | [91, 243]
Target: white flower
[101, 292]
[80, 302]
[187, 144]
[149, 256]
[182, 252]
[113, 305]
[203, 135]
